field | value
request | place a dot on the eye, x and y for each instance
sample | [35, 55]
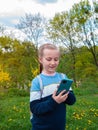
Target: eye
[56, 59]
[48, 59]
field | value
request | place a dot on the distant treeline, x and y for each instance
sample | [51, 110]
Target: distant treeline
[19, 63]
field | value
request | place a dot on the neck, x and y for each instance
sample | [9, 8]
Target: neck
[48, 74]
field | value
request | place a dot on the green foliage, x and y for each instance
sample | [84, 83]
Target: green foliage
[82, 11]
[96, 6]
[84, 64]
[18, 59]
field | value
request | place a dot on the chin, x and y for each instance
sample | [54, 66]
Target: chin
[52, 71]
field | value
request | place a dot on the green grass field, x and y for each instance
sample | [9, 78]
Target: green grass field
[14, 110]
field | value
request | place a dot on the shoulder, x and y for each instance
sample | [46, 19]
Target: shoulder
[35, 84]
[62, 75]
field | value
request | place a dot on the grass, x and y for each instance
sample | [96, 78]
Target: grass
[14, 110]
[84, 114]
[14, 113]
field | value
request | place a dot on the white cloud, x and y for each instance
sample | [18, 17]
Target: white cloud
[18, 8]
[13, 7]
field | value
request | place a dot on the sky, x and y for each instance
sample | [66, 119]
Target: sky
[12, 10]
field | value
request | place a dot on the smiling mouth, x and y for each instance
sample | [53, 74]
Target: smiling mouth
[53, 67]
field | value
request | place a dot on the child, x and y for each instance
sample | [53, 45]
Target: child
[49, 109]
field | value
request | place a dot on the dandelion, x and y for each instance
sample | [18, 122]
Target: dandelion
[96, 114]
[15, 109]
[78, 116]
[9, 119]
[66, 126]
[89, 122]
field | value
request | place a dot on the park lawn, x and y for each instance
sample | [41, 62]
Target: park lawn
[83, 115]
[14, 113]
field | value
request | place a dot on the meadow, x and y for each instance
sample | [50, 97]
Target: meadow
[83, 115]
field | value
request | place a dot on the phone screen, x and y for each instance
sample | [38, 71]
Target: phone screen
[65, 84]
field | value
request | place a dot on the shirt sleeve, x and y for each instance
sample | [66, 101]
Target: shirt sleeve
[42, 107]
[37, 104]
[71, 98]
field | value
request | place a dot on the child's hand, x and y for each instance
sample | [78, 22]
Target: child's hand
[60, 97]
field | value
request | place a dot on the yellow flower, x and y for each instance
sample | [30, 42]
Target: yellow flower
[4, 76]
[35, 72]
[10, 119]
[89, 122]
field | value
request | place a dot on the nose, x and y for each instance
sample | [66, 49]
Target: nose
[53, 62]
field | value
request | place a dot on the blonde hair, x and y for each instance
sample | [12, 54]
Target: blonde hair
[46, 46]
[41, 49]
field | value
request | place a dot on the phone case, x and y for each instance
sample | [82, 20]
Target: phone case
[64, 85]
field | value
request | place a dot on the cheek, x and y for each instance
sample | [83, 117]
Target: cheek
[58, 62]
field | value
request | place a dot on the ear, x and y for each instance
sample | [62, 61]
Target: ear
[40, 60]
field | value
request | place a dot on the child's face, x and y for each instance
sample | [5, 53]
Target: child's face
[50, 60]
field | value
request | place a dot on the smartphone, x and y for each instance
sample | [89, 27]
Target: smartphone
[65, 84]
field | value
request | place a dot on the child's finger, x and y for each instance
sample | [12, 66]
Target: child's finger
[54, 94]
[62, 92]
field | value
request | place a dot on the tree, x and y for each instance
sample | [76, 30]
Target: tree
[2, 28]
[33, 27]
[68, 28]
[62, 30]
[18, 59]
[4, 78]
[84, 18]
